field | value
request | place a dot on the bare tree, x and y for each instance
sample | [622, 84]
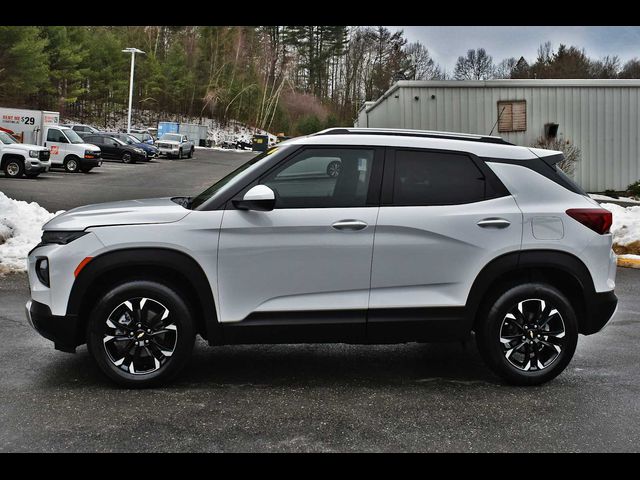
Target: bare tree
[477, 65]
[422, 66]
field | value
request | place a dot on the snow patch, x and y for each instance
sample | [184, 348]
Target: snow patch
[626, 224]
[20, 230]
[599, 197]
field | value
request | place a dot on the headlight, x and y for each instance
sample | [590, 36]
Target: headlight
[42, 270]
[60, 237]
[33, 153]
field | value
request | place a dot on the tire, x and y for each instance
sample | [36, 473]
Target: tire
[511, 344]
[334, 169]
[32, 175]
[71, 164]
[14, 168]
[126, 157]
[180, 154]
[168, 351]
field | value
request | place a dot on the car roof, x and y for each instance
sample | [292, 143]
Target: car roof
[475, 144]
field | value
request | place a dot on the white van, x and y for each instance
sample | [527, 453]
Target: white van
[69, 151]
[39, 127]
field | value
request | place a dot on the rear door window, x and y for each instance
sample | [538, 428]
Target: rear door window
[436, 178]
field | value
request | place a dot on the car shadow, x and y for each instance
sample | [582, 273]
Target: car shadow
[316, 365]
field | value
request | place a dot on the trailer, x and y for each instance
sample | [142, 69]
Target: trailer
[194, 132]
[27, 126]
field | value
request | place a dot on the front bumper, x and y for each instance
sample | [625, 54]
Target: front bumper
[90, 162]
[36, 166]
[600, 309]
[62, 331]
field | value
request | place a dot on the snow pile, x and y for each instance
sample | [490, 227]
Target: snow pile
[625, 228]
[604, 198]
[20, 231]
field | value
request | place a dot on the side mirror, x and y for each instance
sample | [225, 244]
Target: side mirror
[260, 198]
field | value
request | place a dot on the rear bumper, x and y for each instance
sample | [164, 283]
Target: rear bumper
[62, 331]
[600, 309]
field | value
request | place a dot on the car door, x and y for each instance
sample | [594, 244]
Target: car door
[308, 261]
[58, 145]
[444, 215]
[110, 147]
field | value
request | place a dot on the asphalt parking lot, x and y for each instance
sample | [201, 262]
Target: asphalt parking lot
[410, 397]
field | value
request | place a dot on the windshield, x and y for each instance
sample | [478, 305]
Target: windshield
[7, 139]
[209, 192]
[131, 140]
[171, 136]
[72, 136]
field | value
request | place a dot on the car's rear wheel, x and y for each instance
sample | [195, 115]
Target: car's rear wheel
[141, 333]
[180, 154]
[528, 334]
[14, 168]
[334, 168]
[190, 153]
[71, 164]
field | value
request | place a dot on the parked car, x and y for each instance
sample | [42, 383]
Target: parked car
[175, 145]
[18, 159]
[116, 149]
[150, 150]
[143, 136]
[81, 129]
[422, 236]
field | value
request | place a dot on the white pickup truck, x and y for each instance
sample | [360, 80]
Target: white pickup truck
[175, 145]
[18, 159]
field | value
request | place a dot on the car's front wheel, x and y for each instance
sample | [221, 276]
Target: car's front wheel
[71, 164]
[141, 333]
[528, 334]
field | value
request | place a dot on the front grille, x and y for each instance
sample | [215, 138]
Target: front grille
[165, 145]
[44, 155]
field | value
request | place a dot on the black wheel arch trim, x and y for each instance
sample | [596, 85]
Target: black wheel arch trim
[155, 257]
[597, 307]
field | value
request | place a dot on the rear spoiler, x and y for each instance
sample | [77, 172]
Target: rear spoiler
[550, 157]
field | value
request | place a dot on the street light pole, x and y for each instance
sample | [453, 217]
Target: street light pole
[133, 52]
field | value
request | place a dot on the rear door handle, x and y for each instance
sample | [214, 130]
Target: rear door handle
[494, 223]
[349, 225]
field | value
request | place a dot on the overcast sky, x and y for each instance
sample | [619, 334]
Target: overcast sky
[446, 44]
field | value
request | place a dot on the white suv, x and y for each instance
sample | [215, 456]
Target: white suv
[420, 236]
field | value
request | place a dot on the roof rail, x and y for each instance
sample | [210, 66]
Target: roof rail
[469, 137]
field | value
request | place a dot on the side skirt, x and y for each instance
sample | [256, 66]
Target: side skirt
[379, 326]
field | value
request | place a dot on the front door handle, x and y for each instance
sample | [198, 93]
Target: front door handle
[349, 225]
[494, 223]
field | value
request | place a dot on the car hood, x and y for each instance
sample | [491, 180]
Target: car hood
[88, 146]
[129, 212]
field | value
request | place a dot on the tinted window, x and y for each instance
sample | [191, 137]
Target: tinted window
[54, 135]
[91, 139]
[322, 178]
[427, 178]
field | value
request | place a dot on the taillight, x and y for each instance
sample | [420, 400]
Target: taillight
[597, 219]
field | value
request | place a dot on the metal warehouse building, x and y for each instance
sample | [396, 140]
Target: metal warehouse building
[598, 116]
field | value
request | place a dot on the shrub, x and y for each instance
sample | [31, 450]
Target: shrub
[634, 189]
[572, 153]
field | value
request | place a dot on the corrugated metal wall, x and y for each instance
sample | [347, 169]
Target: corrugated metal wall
[599, 116]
